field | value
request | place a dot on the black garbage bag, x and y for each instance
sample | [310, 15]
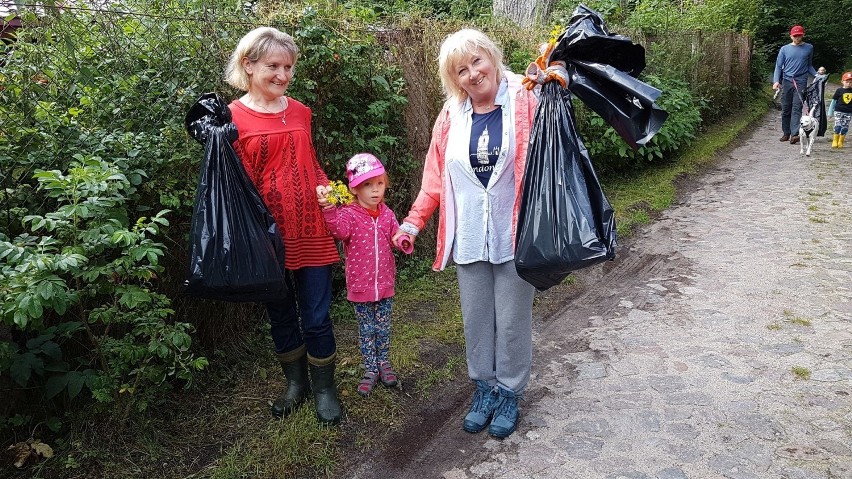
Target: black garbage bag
[236, 252]
[603, 69]
[813, 101]
[565, 221]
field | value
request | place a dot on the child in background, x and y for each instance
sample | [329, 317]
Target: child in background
[841, 107]
[366, 228]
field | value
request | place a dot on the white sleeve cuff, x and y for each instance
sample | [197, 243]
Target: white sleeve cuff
[409, 228]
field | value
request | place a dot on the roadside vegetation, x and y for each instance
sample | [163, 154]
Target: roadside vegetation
[108, 370]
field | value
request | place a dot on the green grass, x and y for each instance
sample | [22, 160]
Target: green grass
[801, 372]
[440, 375]
[635, 197]
[792, 318]
[282, 449]
[819, 194]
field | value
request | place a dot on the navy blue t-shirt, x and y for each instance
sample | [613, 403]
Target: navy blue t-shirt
[486, 138]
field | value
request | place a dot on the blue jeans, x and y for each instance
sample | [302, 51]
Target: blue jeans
[791, 106]
[305, 318]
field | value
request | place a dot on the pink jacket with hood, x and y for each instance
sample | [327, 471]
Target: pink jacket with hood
[433, 189]
[367, 246]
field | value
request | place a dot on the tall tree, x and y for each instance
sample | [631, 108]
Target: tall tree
[524, 13]
[824, 27]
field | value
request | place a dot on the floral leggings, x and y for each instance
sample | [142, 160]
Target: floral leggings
[841, 122]
[374, 325]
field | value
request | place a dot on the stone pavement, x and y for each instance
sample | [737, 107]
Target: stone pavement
[719, 346]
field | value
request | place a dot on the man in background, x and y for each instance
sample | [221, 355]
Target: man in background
[794, 64]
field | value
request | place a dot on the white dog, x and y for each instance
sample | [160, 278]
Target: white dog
[808, 127]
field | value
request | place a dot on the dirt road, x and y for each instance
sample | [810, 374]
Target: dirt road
[719, 344]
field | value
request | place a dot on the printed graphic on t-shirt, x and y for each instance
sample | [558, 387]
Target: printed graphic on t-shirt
[843, 98]
[486, 138]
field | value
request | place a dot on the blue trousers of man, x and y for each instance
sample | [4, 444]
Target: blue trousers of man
[305, 319]
[791, 106]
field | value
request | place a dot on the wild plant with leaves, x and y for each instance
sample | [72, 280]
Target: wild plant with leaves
[77, 288]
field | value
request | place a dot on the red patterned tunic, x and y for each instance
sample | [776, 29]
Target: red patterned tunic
[281, 161]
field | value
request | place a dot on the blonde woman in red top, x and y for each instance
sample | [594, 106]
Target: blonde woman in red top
[277, 151]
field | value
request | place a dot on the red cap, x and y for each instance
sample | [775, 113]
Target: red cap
[797, 30]
[846, 76]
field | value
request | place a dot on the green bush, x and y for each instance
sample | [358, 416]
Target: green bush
[612, 155]
[82, 274]
[96, 99]
[357, 94]
[94, 102]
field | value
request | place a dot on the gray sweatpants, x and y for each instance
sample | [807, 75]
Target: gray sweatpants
[497, 312]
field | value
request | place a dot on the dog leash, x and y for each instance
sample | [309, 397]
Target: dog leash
[805, 109]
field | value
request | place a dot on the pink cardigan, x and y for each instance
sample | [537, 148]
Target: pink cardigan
[367, 246]
[433, 187]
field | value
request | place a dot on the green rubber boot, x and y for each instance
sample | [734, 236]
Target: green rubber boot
[325, 390]
[295, 366]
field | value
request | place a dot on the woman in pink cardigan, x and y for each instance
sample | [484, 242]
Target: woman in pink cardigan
[473, 172]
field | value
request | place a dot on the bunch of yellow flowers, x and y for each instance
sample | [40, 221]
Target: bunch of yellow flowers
[339, 194]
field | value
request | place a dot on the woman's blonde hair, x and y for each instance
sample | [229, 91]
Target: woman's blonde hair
[255, 45]
[456, 48]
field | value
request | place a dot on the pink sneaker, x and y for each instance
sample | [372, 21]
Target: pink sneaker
[387, 376]
[365, 387]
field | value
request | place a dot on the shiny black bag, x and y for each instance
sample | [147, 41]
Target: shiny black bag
[813, 103]
[236, 252]
[565, 221]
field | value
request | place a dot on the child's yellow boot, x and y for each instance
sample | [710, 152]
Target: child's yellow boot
[835, 140]
[840, 141]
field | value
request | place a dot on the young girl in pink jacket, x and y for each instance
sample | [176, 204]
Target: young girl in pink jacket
[366, 228]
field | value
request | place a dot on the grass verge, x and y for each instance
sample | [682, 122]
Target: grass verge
[636, 198]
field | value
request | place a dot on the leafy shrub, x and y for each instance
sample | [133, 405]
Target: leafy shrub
[82, 274]
[112, 88]
[101, 97]
[612, 154]
[357, 94]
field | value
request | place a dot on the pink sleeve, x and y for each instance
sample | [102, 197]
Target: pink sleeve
[339, 223]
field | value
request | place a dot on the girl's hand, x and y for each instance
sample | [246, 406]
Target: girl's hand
[399, 234]
[322, 196]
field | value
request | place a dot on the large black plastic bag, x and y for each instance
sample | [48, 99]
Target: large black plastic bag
[813, 98]
[603, 67]
[236, 251]
[566, 222]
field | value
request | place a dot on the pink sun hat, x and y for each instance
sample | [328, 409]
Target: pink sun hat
[362, 167]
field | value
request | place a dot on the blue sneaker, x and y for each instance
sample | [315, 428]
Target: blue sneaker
[481, 408]
[505, 414]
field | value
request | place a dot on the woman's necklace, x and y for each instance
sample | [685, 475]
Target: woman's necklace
[487, 108]
[284, 103]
